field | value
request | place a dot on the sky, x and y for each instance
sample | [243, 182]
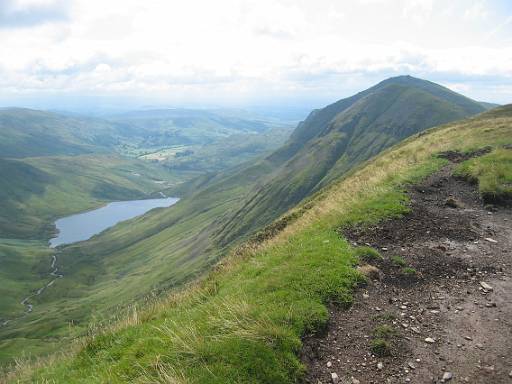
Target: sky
[65, 54]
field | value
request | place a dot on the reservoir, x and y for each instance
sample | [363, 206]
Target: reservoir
[83, 226]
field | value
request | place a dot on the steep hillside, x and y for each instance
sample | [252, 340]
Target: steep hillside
[334, 139]
[245, 320]
[168, 247]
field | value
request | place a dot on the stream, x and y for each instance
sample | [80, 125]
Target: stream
[54, 273]
[82, 226]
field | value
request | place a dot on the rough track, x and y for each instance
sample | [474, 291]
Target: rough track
[455, 244]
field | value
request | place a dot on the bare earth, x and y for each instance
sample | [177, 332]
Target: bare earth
[456, 249]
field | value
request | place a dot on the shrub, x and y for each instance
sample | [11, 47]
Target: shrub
[398, 261]
[384, 332]
[409, 271]
[381, 347]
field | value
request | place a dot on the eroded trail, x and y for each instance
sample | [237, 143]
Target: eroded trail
[446, 318]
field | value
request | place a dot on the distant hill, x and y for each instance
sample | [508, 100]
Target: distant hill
[162, 127]
[336, 138]
[180, 139]
[488, 105]
[27, 132]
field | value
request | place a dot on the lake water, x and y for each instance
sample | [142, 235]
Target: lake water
[83, 226]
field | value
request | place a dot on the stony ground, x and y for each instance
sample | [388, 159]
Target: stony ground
[446, 315]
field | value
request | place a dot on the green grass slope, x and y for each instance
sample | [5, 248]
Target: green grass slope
[336, 138]
[243, 322]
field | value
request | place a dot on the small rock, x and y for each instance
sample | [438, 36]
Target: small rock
[451, 202]
[329, 364]
[429, 340]
[489, 368]
[468, 338]
[486, 286]
[411, 365]
[490, 240]
[447, 376]
[366, 296]
[510, 373]
[380, 366]
[334, 378]
[369, 271]
[355, 381]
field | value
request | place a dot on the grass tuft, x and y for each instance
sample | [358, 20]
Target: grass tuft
[399, 261]
[367, 254]
[381, 348]
[409, 271]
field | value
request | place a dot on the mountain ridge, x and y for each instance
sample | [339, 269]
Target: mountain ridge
[333, 139]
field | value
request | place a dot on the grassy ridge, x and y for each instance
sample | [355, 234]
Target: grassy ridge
[333, 140]
[243, 323]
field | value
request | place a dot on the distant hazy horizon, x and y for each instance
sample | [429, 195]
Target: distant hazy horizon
[94, 56]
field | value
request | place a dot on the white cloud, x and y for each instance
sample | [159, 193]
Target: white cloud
[232, 49]
[477, 11]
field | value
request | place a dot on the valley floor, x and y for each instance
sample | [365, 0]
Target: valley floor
[438, 307]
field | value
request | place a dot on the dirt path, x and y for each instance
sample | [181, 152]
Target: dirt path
[451, 319]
